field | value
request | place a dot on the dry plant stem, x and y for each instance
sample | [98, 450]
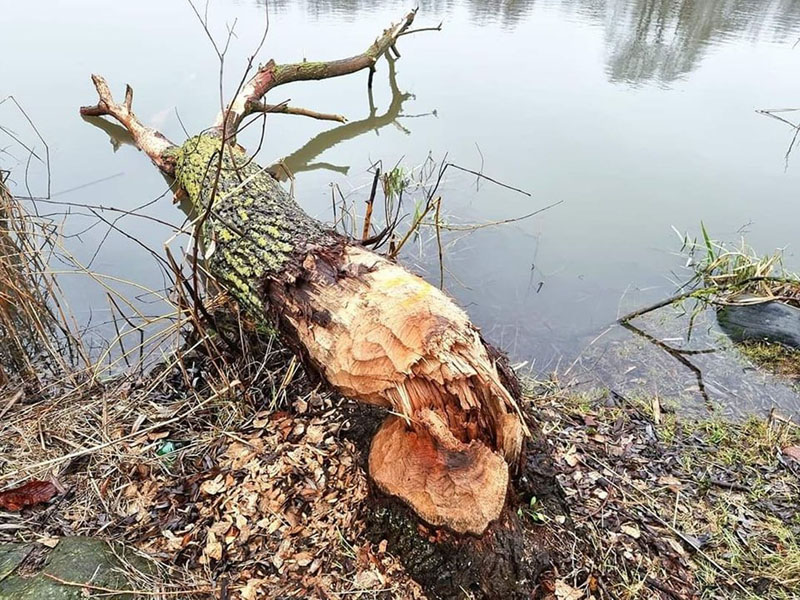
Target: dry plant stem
[96, 448]
[370, 202]
[696, 293]
[12, 401]
[272, 75]
[105, 590]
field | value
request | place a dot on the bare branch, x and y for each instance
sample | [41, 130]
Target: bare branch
[410, 31]
[272, 75]
[285, 109]
[148, 140]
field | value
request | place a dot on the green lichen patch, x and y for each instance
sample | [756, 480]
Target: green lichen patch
[251, 227]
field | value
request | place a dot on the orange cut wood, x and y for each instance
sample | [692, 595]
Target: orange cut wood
[446, 482]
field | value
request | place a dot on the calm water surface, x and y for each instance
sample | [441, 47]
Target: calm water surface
[639, 115]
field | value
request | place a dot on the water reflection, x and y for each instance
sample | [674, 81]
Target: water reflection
[646, 40]
[301, 160]
[506, 12]
[663, 40]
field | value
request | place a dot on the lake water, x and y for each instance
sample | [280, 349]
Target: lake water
[637, 115]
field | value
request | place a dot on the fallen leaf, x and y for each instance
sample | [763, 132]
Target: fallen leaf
[671, 482]
[30, 494]
[792, 452]
[50, 542]
[366, 580]
[564, 591]
[632, 530]
[213, 486]
[676, 546]
[213, 547]
[250, 591]
[315, 434]
[571, 456]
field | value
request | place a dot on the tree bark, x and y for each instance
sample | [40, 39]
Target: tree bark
[451, 448]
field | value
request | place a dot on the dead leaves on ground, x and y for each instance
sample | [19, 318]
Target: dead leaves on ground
[648, 513]
[29, 494]
[279, 511]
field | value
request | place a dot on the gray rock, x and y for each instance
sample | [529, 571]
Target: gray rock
[74, 559]
[768, 321]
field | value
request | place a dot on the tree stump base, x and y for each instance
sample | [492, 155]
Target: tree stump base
[508, 561]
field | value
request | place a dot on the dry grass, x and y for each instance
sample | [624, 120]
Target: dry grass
[728, 274]
[35, 326]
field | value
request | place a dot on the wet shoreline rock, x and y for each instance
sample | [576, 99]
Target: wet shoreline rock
[767, 321]
[30, 571]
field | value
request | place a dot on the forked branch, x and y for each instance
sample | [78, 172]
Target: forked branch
[148, 140]
[271, 75]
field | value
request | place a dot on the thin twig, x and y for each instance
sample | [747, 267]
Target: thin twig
[105, 590]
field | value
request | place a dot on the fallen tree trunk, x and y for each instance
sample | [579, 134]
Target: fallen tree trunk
[374, 331]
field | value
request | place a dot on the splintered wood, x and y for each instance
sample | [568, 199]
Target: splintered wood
[385, 336]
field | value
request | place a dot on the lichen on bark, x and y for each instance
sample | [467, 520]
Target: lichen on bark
[254, 229]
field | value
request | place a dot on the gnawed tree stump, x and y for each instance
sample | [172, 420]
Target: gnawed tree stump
[374, 331]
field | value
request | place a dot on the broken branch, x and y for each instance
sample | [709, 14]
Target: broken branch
[285, 109]
[272, 75]
[148, 140]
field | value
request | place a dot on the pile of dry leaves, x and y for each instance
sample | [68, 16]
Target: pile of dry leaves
[244, 491]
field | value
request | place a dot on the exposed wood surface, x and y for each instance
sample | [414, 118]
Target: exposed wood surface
[384, 336]
[448, 482]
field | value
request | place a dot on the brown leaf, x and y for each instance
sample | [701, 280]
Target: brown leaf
[792, 452]
[30, 494]
[631, 529]
[564, 591]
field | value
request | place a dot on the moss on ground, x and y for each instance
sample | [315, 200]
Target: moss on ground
[775, 358]
[77, 567]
